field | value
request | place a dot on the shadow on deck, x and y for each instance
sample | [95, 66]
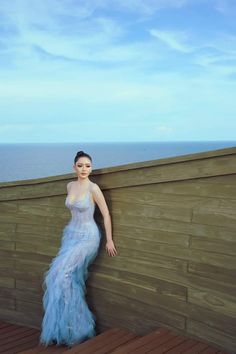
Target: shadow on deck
[21, 339]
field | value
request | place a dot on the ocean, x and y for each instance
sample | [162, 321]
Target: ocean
[36, 160]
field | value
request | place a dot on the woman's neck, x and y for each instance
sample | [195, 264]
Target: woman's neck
[82, 182]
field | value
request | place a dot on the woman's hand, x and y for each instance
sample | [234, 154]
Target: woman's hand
[110, 248]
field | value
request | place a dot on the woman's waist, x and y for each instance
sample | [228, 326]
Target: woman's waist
[75, 224]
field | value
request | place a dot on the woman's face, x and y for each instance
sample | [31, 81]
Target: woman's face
[83, 167]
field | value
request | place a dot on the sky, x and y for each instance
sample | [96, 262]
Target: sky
[123, 70]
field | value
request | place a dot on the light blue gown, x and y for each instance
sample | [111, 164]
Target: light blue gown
[67, 318]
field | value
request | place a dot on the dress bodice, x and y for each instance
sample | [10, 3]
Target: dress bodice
[82, 210]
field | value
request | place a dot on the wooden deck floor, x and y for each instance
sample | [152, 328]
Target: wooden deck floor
[21, 339]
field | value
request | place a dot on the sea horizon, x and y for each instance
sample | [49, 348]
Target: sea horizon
[22, 161]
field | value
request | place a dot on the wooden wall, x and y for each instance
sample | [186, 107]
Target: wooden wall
[174, 226]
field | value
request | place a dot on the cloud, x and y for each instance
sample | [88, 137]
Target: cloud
[175, 40]
[218, 56]
[141, 62]
[148, 7]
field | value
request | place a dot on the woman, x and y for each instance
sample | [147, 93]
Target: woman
[67, 318]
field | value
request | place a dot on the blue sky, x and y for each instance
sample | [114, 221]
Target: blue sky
[124, 70]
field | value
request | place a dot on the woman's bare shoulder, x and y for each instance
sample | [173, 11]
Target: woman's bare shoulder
[94, 187]
[69, 185]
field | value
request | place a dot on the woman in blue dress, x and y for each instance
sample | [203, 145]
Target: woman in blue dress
[67, 318]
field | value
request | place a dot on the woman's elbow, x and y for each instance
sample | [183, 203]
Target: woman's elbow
[106, 216]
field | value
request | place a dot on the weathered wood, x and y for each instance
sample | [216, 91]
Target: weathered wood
[25, 340]
[219, 274]
[153, 283]
[161, 236]
[170, 253]
[206, 164]
[176, 276]
[7, 245]
[7, 282]
[174, 223]
[7, 303]
[7, 231]
[48, 248]
[213, 300]
[211, 335]
[133, 319]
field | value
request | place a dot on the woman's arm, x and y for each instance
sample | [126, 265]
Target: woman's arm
[101, 202]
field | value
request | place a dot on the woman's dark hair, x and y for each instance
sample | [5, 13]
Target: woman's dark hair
[82, 154]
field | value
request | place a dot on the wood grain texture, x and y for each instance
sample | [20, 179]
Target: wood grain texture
[174, 226]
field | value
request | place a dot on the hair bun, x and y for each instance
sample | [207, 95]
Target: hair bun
[81, 153]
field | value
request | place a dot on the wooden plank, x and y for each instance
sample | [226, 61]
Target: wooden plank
[23, 218]
[141, 342]
[31, 343]
[7, 303]
[21, 318]
[164, 271]
[142, 173]
[153, 195]
[44, 259]
[194, 311]
[36, 189]
[29, 306]
[10, 332]
[213, 245]
[219, 212]
[160, 286]
[40, 231]
[44, 248]
[218, 302]
[161, 236]
[141, 298]
[156, 237]
[8, 208]
[115, 343]
[182, 212]
[15, 292]
[197, 348]
[31, 284]
[182, 347]
[28, 265]
[154, 345]
[193, 229]
[35, 209]
[211, 335]
[8, 345]
[96, 342]
[7, 282]
[22, 294]
[144, 259]
[169, 172]
[152, 248]
[209, 351]
[219, 274]
[164, 347]
[7, 231]
[7, 245]
[129, 313]
[228, 180]
[219, 321]
[217, 187]
[128, 249]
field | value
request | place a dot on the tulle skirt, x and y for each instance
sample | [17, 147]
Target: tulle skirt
[67, 317]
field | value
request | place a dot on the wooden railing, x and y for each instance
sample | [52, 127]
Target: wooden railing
[174, 226]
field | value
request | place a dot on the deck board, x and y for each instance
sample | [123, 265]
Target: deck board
[24, 340]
